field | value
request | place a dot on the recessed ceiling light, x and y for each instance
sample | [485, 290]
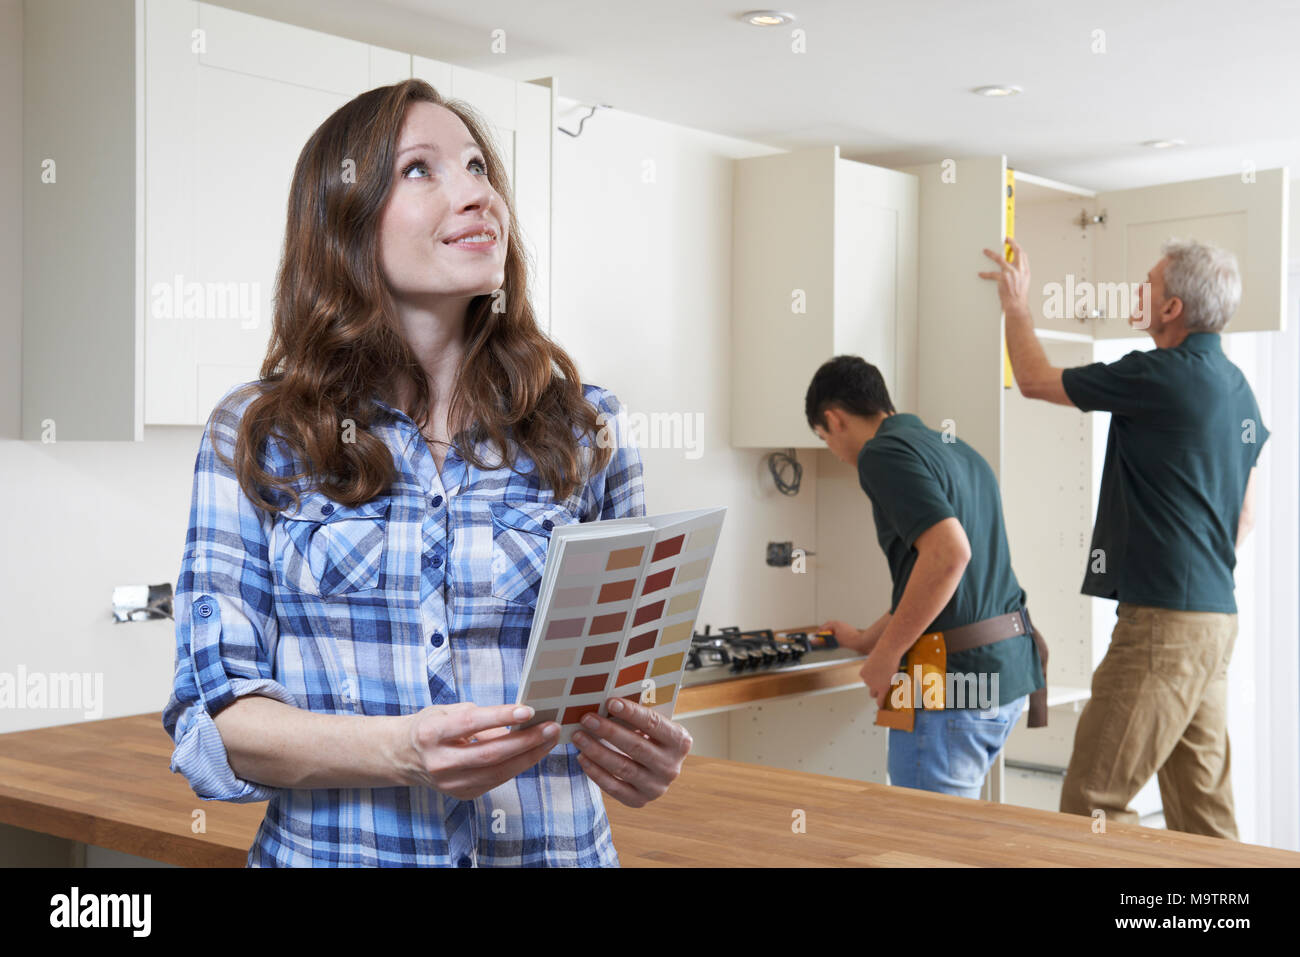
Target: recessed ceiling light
[997, 90]
[1164, 144]
[766, 18]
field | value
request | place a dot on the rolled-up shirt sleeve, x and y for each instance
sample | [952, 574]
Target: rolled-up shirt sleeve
[225, 621]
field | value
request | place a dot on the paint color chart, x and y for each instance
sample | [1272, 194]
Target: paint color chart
[615, 613]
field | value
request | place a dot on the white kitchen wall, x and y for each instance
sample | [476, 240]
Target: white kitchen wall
[641, 240]
[641, 235]
[1262, 718]
[11, 212]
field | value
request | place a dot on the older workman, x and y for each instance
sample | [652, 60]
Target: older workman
[1176, 502]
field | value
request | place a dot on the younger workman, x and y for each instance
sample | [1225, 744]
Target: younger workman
[957, 609]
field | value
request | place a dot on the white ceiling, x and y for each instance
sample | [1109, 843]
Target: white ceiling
[889, 81]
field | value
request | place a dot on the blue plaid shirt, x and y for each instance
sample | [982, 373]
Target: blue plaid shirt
[421, 596]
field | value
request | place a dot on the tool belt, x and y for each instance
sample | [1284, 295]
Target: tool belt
[929, 656]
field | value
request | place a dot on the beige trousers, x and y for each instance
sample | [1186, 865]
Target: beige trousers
[1158, 706]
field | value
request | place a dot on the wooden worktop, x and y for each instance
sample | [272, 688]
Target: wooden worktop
[106, 783]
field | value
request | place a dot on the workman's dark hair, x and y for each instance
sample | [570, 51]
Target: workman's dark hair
[849, 383]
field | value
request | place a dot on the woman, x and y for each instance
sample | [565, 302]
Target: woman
[370, 523]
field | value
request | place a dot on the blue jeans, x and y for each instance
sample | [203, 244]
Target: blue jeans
[950, 751]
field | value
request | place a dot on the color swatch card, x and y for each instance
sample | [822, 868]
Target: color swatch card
[615, 613]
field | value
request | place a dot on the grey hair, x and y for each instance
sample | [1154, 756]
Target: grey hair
[1206, 279]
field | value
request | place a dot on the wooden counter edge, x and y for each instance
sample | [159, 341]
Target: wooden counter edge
[183, 850]
[738, 692]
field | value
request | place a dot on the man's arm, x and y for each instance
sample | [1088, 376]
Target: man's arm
[1247, 520]
[859, 639]
[871, 634]
[943, 552]
[1035, 374]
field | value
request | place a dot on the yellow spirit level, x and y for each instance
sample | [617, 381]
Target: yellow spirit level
[1008, 380]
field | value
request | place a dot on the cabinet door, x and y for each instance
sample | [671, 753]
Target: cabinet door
[1048, 494]
[824, 264]
[494, 98]
[82, 260]
[875, 273]
[1247, 218]
[534, 130]
[783, 292]
[959, 344]
[519, 120]
[229, 109]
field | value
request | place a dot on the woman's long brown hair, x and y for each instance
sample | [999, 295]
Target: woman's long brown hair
[335, 341]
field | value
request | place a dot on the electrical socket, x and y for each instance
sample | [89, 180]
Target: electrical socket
[780, 554]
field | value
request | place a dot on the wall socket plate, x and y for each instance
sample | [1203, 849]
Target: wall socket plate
[780, 554]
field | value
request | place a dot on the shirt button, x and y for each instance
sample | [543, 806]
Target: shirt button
[548, 525]
[437, 639]
[436, 561]
[437, 500]
[326, 509]
[205, 610]
[463, 862]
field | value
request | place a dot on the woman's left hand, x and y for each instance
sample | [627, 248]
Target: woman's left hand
[653, 747]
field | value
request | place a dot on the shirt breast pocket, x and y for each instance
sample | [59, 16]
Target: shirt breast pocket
[521, 535]
[330, 550]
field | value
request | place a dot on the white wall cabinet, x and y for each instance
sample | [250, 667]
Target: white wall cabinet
[832, 256]
[1245, 215]
[824, 262]
[224, 128]
[175, 127]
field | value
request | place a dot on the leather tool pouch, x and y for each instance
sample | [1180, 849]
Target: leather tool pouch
[926, 669]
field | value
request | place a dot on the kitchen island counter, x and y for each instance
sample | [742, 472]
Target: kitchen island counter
[107, 783]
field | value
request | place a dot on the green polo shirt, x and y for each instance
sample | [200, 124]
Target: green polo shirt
[1185, 431]
[915, 480]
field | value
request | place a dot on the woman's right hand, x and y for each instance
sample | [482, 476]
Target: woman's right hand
[465, 750]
